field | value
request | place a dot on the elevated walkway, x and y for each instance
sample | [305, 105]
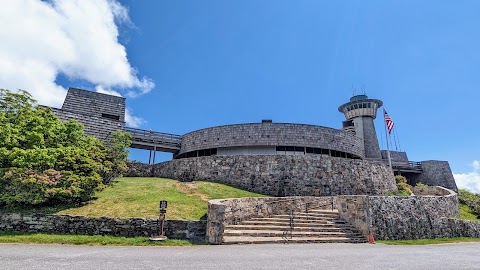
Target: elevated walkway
[407, 167]
[152, 140]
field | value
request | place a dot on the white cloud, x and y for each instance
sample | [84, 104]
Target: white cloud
[469, 181]
[101, 89]
[76, 38]
[131, 120]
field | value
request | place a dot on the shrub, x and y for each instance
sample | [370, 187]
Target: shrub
[47, 161]
[403, 189]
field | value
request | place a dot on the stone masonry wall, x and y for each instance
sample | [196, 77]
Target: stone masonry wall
[284, 175]
[397, 217]
[272, 134]
[413, 217]
[436, 173]
[395, 156]
[137, 169]
[64, 224]
[232, 211]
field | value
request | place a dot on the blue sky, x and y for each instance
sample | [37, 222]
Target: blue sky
[223, 62]
[186, 65]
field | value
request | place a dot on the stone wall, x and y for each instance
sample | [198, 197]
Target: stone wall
[284, 175]
[354, 210]
[397, 217]
[137, 169]
[413, 217]
[232, 211]
[395, 156]
[64, 224]
[436, 173]
[272, 134]
[452, 227]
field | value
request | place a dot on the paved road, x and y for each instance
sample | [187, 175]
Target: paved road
[292, 257]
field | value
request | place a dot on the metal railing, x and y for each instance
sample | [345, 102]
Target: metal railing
[153, 136]
[290, 210]
[410, 165]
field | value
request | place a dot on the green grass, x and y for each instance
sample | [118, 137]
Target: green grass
[139, 197]
[429, 241]
[96, 240]
[467, 213]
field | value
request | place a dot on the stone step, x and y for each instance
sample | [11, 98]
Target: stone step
[307, 216]
[284, 228]
[280, 233]
[310, 215]
[298, 220]
[297, 224]
[272, 240]
[323, 211]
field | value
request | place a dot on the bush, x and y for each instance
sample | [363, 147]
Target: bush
[403, 189]
[47, 161]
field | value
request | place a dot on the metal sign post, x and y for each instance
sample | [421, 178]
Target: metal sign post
[161, 221]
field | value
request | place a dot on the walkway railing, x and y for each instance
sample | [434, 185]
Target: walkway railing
[410, 165]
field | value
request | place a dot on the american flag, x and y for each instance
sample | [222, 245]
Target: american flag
[388, 122]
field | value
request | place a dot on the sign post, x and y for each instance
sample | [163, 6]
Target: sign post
[161, 221]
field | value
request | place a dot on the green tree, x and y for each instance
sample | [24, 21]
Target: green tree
[44, 160]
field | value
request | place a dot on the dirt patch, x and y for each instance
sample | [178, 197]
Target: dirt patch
[191, 189]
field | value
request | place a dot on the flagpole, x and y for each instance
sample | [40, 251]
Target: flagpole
[386, 136]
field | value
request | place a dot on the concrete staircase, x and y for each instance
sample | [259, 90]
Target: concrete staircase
[316, 226]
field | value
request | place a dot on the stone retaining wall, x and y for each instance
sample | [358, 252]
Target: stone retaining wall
[280, 175]
[397, 217]
[232, 211]
[65, 224]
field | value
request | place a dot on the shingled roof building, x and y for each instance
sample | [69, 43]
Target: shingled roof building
[272, 158]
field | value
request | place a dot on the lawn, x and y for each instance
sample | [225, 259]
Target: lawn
[90, 240]
[139, 197]
[430, 241]
[467, 213]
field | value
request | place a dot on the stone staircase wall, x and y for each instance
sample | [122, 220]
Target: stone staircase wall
[389, 217]
[400, 217]
[226, 212]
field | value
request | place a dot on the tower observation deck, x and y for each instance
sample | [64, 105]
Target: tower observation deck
[360, 113]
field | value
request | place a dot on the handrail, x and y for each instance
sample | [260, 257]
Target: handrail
[275, 202]
[413, 165]
[149, 134]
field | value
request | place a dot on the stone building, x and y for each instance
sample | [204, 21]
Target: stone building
[280, 159]
[99, 113]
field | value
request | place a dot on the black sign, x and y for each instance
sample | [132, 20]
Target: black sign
[163, 204]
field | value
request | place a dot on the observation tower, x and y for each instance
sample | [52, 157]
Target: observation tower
[360, 113]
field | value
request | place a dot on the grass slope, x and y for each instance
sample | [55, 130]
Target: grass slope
[467, 213]
[139, 197]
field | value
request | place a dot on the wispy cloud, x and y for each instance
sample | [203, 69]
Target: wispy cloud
[133, 121]
[76, 38]
[470, 181]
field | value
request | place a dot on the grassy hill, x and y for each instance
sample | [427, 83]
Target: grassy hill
[139, 197]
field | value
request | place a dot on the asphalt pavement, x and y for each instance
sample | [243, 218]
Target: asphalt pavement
[275, 256]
